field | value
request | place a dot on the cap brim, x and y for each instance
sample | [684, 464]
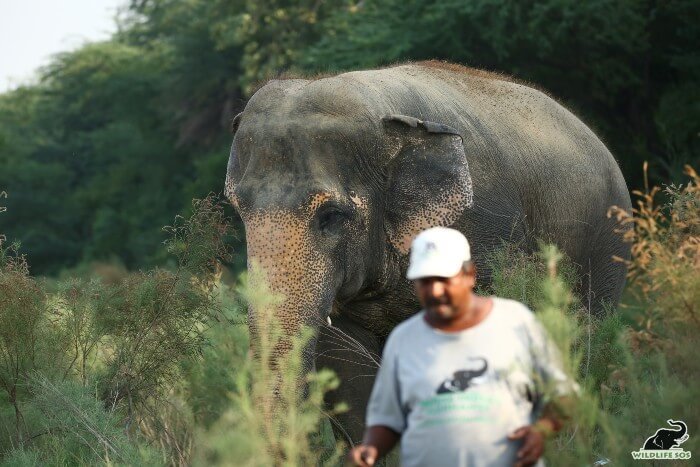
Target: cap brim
[436, 268]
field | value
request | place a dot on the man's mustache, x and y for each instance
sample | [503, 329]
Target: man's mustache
[437, 301]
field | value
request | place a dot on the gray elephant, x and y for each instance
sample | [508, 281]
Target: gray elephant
[334, 176]
[665, 439]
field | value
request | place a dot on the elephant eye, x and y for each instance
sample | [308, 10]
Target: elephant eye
[331, 219]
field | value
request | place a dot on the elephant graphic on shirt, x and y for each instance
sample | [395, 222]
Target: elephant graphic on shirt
[462, 379]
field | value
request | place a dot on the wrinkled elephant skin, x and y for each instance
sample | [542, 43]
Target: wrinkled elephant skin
[334, 176]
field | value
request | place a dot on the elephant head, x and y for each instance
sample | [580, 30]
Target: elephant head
[331, 190]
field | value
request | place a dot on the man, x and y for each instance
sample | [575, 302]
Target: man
[462, 383]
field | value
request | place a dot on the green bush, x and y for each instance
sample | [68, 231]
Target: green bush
[152, 368]
[274, 416]
[133, 370]
[633, 377]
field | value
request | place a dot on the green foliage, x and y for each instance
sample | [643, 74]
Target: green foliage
[275, 33]
[632, 378]
[33, 185]
[514, 272]
[275, 416]
[666, 251]
[89, 434]
[22, 458]
[118, 135]
[134, 370]
[211, 378]
[657, 378]
[88, 157]
[628, 68]
[93, 368]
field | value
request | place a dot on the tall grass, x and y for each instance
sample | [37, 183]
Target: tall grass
[657, 378]
[544, 281]
[634, 376]
[274, 417]
[90, 372]
[151, 368]
[144, 367]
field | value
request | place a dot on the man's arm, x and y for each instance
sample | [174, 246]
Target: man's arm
[552, 380]
[386, 417]
[554, 416]
[377, 442]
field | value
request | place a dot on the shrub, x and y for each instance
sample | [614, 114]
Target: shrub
[153, 367]
[130, 370]
[275, 417]
[93, 372]
[22, 316]
[633, 378]
[657, 379]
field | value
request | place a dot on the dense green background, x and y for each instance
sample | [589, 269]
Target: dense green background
[118, 136]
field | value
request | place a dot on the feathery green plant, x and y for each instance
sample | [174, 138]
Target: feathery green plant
[632, 378]
[133, 370]
[91, 373]
[276, 415]
[153, 367]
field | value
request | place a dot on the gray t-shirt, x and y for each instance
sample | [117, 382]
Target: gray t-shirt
[455, 397]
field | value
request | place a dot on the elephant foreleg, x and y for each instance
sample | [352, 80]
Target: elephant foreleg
[353, 353]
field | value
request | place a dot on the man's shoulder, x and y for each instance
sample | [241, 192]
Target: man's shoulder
[512, 310]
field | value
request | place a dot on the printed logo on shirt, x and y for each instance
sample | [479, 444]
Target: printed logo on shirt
[665, 443]
[462, 379]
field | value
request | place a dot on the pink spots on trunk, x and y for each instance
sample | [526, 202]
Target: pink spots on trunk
[280, 243]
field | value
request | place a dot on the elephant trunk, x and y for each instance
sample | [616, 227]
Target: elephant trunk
[292, 289]
[682, 427]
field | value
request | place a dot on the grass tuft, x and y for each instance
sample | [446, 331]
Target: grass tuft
[151, 368]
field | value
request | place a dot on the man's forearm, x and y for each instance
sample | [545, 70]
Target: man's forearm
[381, 437]
[555, 415]
[547, 426]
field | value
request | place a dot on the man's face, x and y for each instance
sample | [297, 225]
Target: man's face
[446, 298]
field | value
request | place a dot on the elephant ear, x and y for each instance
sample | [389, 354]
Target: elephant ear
[428, 178]
[233, 170]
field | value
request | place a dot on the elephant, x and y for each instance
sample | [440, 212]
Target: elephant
[462, 379]
[333, 176]
[665, 439]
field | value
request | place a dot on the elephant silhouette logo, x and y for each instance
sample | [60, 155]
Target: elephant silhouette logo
[462, 379]
[665, 443]
[665, 439]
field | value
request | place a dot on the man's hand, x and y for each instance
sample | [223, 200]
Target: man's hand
[378, 441]
[533, 437]
[363, 455]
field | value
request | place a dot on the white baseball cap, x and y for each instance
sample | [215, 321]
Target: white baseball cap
[438, 252]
